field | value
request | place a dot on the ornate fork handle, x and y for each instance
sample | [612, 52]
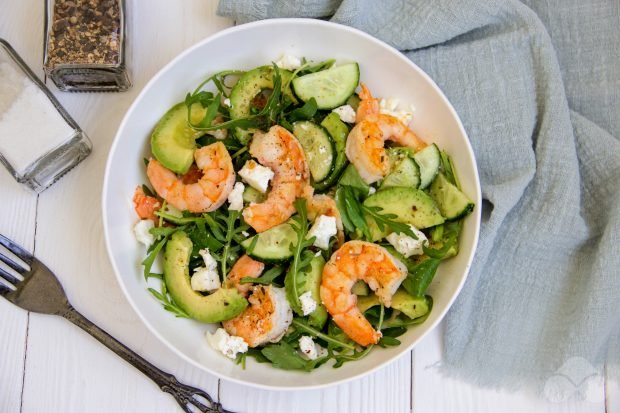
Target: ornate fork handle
[188, 397]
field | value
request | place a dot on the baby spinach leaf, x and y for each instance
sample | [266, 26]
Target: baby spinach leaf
[305, 112]
[420, 278]
[267, 278]
[284, 356]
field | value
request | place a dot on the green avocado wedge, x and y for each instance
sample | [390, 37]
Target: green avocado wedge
[173, 141]
[224, 304]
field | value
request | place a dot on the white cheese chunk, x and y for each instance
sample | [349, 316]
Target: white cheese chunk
[225, 343]
[256, 175]
[371, 190]
[288, 62]
[310, 349]
[235, 198]
[406, 245]
[205, 279]
[227, 102]
[346, 113]
[390, 106]
[323, 229]
[142, 232]
[210, 262]
[308, 305]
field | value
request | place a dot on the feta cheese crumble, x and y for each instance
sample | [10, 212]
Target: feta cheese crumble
[310, 349]
[142, 232]
[288, 62]
[323, 229]
[308, 305]
[390, 106]
[235, 198]
[225, 343]
[206, 278]
[371, 190]
[256, 175]
[227, 102]
[407, 245]
[346, 113]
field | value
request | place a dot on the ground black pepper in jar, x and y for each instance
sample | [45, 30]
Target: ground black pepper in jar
[85, 45]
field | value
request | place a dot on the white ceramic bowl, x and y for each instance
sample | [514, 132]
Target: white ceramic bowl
[387, 73]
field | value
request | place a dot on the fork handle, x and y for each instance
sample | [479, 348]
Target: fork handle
[186, 396]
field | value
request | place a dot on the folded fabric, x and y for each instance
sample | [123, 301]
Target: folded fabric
[538, 90]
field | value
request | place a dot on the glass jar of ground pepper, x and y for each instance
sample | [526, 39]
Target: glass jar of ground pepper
[85, 45]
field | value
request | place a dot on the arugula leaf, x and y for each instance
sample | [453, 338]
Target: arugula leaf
[301, 256]
[342, 208]
[152, 255]
[305, 112]
[355, 211]
[201, 239]
[330, 339]
[167, 302]
[265, 279]
[284, 356]
[420, 278]
[356, 355]
[387, 220]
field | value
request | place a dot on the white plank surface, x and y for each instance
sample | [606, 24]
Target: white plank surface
[64, 370]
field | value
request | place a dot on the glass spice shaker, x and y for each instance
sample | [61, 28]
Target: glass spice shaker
[39, 141]
[85, 45]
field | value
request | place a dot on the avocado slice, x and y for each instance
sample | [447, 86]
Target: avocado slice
[409, 205]
[249, 85]
[412, 307]
[173, 141]
[224, 304]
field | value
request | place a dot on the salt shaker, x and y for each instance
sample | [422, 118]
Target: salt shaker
[85, 45]
[39, 141]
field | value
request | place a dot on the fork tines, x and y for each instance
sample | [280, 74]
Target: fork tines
[14, 261]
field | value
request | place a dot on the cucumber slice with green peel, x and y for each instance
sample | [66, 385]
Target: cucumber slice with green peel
[404, 170]
[428, 159]
[253, 195]
[173, 141]
[339, 131]
[249, 85]
[308, 280]
[330, 88]
[452, 203]
[409, 205]
[273, 245]
[318, 147]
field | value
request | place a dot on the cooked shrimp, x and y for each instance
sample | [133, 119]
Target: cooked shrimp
[144, 205]
[244, 267]
[205, 195]
[359, 260]
[368, 105]
[279, 150]
[265, 320]
[365, 144]
[325, 205]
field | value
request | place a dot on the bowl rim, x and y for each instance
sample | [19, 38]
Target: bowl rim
[250, 26]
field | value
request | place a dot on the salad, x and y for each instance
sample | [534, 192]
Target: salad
[302, 218]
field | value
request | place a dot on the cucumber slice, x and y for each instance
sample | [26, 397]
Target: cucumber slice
[451, 201]
[309, 280]
[404, 171]
[249, 85]
[318, 147]
[253, 195]
[339, 131]
[273, 245]
[428, 159]
[173, 141]
[331, 88]
[409, 205]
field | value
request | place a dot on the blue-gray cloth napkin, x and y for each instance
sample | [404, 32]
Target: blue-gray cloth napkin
[537, 85]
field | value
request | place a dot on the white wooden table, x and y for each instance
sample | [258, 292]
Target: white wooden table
[47, 364]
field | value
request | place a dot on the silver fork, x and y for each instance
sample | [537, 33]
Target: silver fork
[28, 283]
